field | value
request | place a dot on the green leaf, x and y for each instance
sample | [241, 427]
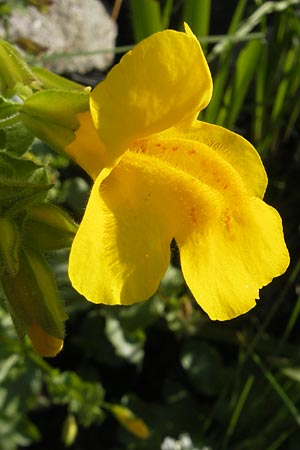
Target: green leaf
[22, 183]
[14, 136]
[84, 399]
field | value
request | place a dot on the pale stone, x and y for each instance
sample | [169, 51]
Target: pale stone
[68, 26]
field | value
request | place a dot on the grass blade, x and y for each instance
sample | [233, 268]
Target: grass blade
[198, 17]
[145, 18]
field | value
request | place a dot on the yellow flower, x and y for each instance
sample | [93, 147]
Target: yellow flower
[161, 174]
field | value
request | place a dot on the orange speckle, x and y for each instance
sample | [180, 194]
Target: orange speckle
[192, 214]
[192, 152]
[228, 225]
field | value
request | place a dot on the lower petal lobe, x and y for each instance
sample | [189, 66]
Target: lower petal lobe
[231, 243]
[237, 257]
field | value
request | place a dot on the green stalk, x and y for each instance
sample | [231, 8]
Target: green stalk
[278, 389]
[238, 409]
[197, 15]
[146, 18]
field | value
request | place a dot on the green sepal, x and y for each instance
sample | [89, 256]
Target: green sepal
[14, 136]
[32, 295]
[15, 75]
[47, 227]
[51, 80]
[22, 183]
[10, 243]
[52, 115]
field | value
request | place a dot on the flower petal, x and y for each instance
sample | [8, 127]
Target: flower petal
[183, 189]
[122, 247]
[237, 151]
[231, 147]
[163, 80]
[242, 243]
[226, 267]
[119, 253]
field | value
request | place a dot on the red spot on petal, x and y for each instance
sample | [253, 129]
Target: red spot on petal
[228, 225]
[192, 214]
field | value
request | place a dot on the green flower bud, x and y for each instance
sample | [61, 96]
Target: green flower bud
[52, 115]
[47, 227]
[9, 245]
[15, 73]
[34, 302]
[130, 421]
[69, 431]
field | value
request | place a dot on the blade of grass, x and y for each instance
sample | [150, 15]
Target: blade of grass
[294, 117]
[166, 14]
[198, 17]
[222, 74]
[278, 389]
[248, 25]
[251, 346]
[284, 86]
[259, 106]
[237, 410]
[279, 441]
[54, 56]
[146, 18]
[245, 69]
[291, 323]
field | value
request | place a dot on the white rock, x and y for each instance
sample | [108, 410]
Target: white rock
[68, 26]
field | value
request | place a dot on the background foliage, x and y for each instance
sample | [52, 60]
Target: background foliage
[196, 384]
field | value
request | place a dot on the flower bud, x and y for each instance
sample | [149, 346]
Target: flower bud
[47, 227]
[15, 73]
[69, 431]
[9, 245]
[51, 115]
[34, 302]
[62, 119]
[129, 421]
